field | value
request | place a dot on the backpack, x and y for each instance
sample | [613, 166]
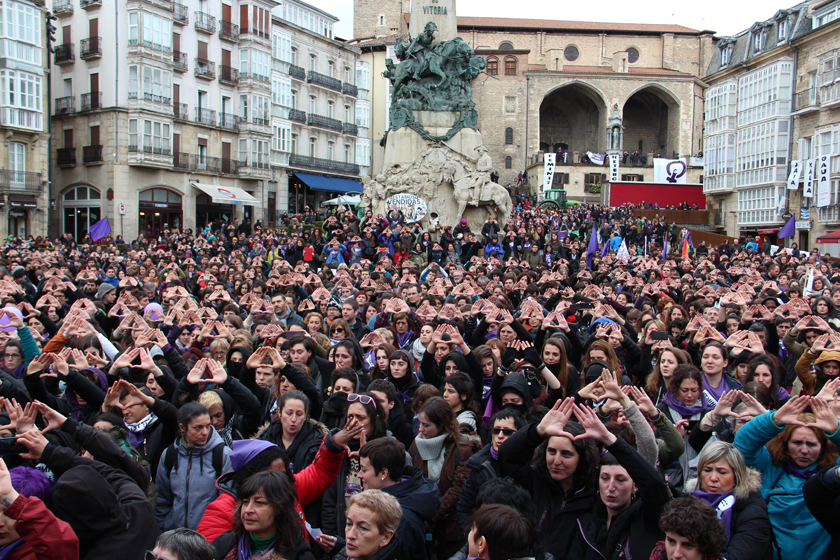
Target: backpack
[218, 458]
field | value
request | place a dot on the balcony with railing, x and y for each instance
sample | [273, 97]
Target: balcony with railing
[350, 89]
[228, 75]
[87, 4]
[296, 115]
[297, 72]
[180, 61]
[65, 105]
[149, 155]
[64, 54]
[21, 181]
[323, 80]
[180, 14]
[65, 157]
[230, 166]
[320, 164]
[205, 116]
[181, 161]
[351, 129]
[324, 122]
[229, 31]
[806, 101]
[181, 112]
[205, 23]
[206, 164]
[165, 4]
[256, 169]
[205, 68]
[229, 121]
[91, 101]
[62, 7]
[279, 158]
[92, 155]
[90, 48]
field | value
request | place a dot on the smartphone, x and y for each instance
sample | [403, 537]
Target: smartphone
[692, 424]
[659, 335]
[10, 446]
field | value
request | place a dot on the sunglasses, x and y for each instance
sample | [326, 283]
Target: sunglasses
[507, 431]
[364, 399]
[338, 329]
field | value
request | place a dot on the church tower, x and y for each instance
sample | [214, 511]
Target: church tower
[379, 18]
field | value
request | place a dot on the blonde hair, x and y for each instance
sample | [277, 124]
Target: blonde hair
[210, 399]
[219, 345]
[386, 509]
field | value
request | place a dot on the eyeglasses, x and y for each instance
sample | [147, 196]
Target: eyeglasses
[364, 399]
[338, 329]
[15, 355]
[507, 431]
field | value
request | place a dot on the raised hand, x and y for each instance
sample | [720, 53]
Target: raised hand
[55, 420]
[643, 401]
[825, 418]
[724, 405]
[555, 420]
[351, 431]
[788, 414]
[592, 425]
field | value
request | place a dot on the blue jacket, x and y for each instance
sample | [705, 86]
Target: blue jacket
[792, 523]
[186, 491]
[385, 241]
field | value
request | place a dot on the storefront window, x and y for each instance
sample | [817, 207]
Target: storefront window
[81, 209]
[159, 209]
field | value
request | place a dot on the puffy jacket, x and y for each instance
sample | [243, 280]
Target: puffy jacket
[303, 448]
[419, 499]
[793, 524]
[44, 536]
[310, 484]
[483, 467]
[185, 492]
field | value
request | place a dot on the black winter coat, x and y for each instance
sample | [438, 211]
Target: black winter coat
[420, 499]
[822, 496]
[483, 467]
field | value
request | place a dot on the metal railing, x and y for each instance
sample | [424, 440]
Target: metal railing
[205, 22]
[181, 112]
[92, 154]
[65, 105]
[158, 151]
[228, 120]
[228, 75]
[297, 116]
[807, 98]
[230, 166]
[350, 89]
[65, 157]
[324, 122]
[180, 61]
[323, 80]
[91, 101]
[205, 68]
[229, 31]
[297, 72]
[90, 48]
[61, 7]
[181, 160]
[321, 164]
[350, 128]
[180, 13]
[17, 181]
[205, 163]
[85, 4]
[64, 54]
[205, 116]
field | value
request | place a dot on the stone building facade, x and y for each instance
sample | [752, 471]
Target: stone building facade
[556, 83]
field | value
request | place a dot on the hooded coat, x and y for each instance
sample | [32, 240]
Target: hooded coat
[420, 499]
[109, 513]
[303, 448]
[186, 490]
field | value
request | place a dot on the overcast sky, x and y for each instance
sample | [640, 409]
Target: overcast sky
[725, 17]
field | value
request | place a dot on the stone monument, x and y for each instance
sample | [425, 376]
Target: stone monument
[433, 148]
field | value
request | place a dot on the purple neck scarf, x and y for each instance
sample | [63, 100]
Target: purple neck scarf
[494, 453]
[793, 471]
[244, 549]
[721, 502]
[7, 550]
[681, 407]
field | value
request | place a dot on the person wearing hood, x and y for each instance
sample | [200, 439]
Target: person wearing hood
[382, 467]
[404, 380]
[512, 392]
[188, 487]
[399, 425]
[826, 367]
[98, 502]
[251, 456]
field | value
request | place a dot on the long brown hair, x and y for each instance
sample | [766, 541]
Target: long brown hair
[778, 446]
[654, 380]
[563, 374]
[440, 414]
[609, 352]
[280, 493]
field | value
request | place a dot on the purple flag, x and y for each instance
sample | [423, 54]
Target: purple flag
[665, 247]
[688, 238]
[100, 229]
[606, 248]
[593, 245]
[789, 229]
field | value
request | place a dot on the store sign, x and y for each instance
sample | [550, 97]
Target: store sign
[804, 213]
[767, 231]
[803, 225]
[23, 204]
[161, 206]
[16, 214]
[413, 207]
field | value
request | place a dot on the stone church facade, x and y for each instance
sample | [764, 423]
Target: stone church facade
[553, 84]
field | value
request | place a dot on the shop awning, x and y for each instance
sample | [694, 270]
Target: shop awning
[226, 195]
[833, 237]
[330, 184]
[22, 201]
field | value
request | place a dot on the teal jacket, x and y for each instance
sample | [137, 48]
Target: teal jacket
[792, 522]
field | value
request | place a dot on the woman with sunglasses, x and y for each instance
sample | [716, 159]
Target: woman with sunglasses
[363, 409]
[339, 330]
[442, 452]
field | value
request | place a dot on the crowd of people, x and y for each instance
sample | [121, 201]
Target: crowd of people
[569, 384]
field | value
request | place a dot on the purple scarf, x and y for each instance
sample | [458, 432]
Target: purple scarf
[7, 550]
[682, 408]
[494, 453]
[793, 471]
[721, 503]
[405, 339]
[244, 549]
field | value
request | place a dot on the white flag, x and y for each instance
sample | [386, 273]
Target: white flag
[795, 172]
[809, 285]
[810, 166]
[597, 159]
[623, 253]
[614, 161]
[823, 182]
[669, 170]
[549, 161]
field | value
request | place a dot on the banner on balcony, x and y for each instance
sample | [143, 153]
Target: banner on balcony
[614, 161]
[597, 159]
[810, 166]
[824, 180]
[413, 207]
[795, 173]
[549, 160]
[669, 170]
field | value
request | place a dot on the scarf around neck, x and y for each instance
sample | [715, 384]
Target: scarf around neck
[677, 405]
[722, 503]
[7, 550]
[135, 430]
[794, 471]
[244, 548]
